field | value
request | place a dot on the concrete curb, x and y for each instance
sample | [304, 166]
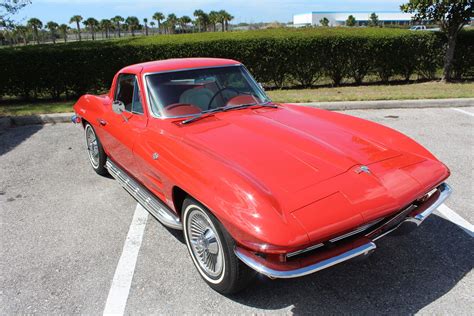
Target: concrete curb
[6, 122]
[9, 121]
[392, 104]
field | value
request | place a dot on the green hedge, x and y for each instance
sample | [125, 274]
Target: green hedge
[276, 57]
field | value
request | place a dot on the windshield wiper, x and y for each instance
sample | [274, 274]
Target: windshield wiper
[228, 108]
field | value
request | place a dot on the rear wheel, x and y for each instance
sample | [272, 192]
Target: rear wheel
[212, 250]
[97, 156]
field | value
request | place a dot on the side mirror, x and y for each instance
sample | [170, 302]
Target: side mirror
[118, 107]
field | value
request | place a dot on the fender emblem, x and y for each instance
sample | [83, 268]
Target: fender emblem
[362, 169]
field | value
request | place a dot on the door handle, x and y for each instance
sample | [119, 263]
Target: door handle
[102, 122]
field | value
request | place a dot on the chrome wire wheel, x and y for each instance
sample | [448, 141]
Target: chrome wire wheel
[92, 146]
[204, 244]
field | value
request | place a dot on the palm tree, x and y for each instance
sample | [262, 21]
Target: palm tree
[221, 19]
[152, 24]
[23, 32]
[145, 21]
[77, 19]
[227, 18]
[164, 27]
[117, 19]
[106, 25]
[172, 21]
[183, 22]
[133, 24]
[35, 24]
[92, 24]
[63, 28]
[52, 27]
[214, 19]
[158, 16]
[202, 20]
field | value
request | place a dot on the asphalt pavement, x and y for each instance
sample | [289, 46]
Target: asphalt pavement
[63, 230]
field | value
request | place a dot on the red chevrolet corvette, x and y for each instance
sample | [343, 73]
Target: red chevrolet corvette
[256, 186]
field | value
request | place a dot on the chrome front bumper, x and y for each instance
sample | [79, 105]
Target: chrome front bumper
[363, 246]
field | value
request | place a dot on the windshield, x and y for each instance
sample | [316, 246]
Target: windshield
[191, 92]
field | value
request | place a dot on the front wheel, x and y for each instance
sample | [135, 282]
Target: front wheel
[97, 156]
[212, 250]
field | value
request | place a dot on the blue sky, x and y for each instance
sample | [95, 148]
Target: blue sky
[243, 11]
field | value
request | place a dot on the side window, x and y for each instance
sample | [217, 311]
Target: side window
[124, 92]
[129, 93]
[137, 106]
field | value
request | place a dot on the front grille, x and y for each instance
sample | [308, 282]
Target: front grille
[356, 232]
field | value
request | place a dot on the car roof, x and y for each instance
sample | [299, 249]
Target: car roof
[177, 64]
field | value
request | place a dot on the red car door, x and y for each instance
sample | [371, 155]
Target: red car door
[120, 132]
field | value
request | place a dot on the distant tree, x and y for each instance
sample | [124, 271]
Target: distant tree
[183, 22]
[117, 20]
[152, 24]
[158, 17]
[52, 27]
[451, 15]
[9, 8]
[63, 28]
[35, 25]
[374, 20]
[77, 19]
[92, 24]
[133, 24]
[324, 22]
[214, 18]
[145, 22]
[106, 25]
[351, 21]
[202, 20]
[226, 17]
[172, 20]
[221, 19]
[164, 27]
[23, 32]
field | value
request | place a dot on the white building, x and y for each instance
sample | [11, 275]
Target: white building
[362, 17]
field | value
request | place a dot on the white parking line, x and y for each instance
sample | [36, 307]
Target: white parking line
[118, 294]
[455, 218]
[462, 111]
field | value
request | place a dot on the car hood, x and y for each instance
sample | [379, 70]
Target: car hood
[285, 150]
[309, 162]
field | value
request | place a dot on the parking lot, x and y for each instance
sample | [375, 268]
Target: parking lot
[63, 230]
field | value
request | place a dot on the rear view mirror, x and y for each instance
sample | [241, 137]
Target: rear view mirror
[118, 107]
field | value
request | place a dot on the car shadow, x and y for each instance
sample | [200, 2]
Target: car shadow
[405, 274]
[11, 137]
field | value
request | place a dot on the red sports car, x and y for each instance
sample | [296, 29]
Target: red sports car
[278, 189]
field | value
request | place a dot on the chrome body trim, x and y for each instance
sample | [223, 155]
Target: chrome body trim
[151, 203]
[356, 252]
[445, 191]
[356, 231]
[295, 253]
[406, 225]
[412, 222]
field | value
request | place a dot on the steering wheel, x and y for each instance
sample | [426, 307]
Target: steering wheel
[222, 90]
